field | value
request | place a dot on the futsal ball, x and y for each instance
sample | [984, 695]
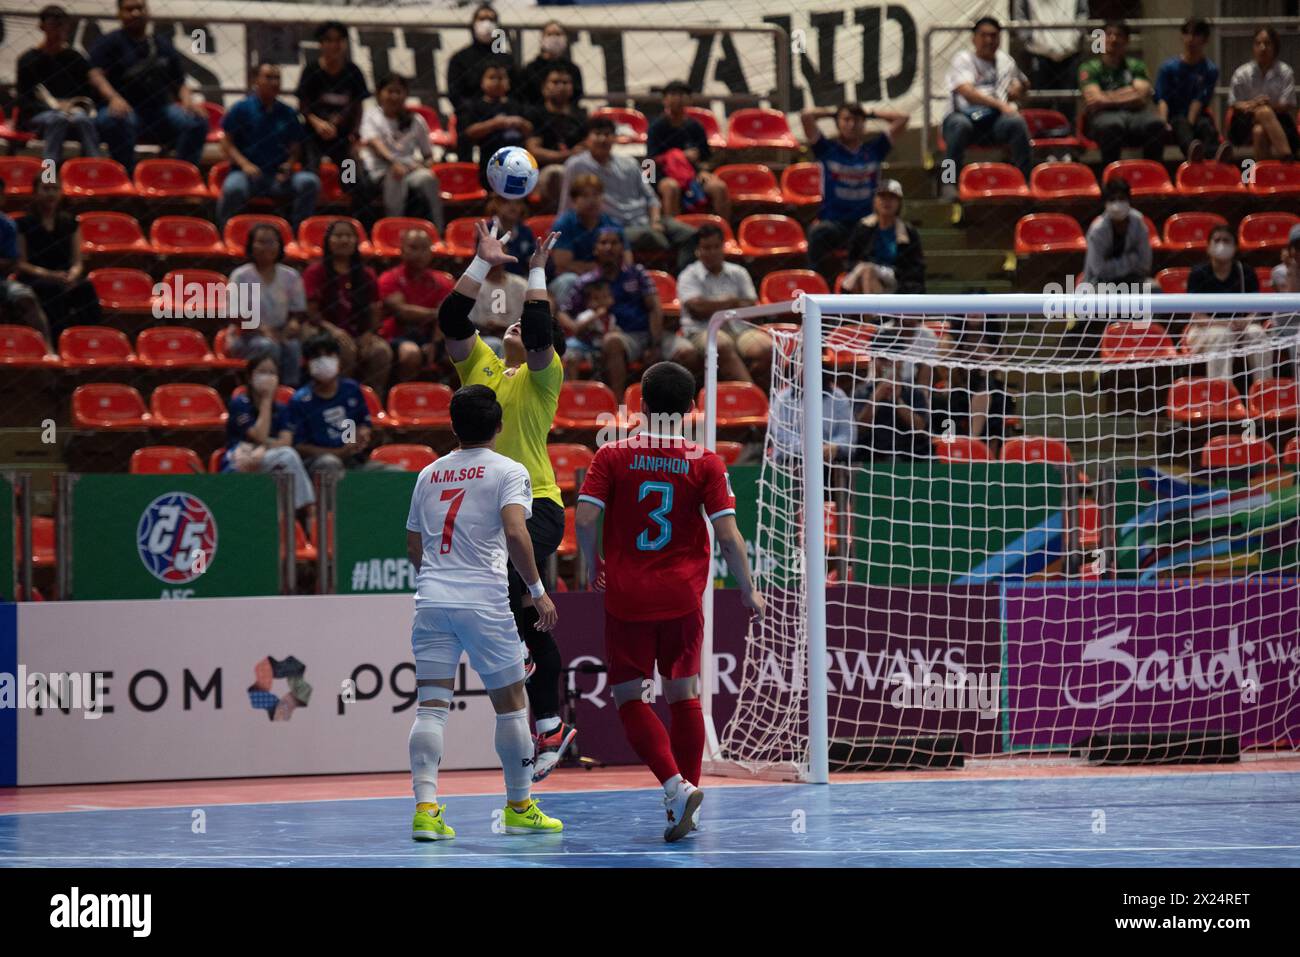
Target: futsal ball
[512, 172]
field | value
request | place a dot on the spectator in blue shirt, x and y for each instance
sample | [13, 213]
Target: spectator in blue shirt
[575, 250]
[1184, 88]
[142, 78]
[262, 141]
[331, 424]
[850, 169]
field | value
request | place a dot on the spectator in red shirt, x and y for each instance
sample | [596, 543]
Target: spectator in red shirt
[343, 300]
[411, 293]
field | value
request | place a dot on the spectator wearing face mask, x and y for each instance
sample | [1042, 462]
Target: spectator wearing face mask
[330, 422]
[1119, 247]
[1224, 272]
[488, 48]
[554, 55]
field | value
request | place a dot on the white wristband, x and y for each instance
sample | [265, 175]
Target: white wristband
[537, 589]
[478, 269]
[537, 279]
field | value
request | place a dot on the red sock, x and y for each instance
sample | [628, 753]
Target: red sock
[688, 737]
[648, 737]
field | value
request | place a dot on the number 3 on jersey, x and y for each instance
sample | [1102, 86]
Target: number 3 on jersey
[455, 496]
[659, 516]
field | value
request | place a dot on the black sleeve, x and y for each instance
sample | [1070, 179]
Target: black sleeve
[537, 328]
[859, 243]
[654, 138]
[577, 83]
[700, 138]
[453, 316]
[306, 92]
[1196, 278]
[911, 265]
[1250, 281]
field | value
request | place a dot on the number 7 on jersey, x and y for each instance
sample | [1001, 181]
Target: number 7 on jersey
[455, 496]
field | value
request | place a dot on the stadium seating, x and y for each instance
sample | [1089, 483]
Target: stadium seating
[216, 112]
[567, 459]
[1193, 400]
[164, 460]
[185, 236]
[786, 284]
[238, 227]
[1237, 452]
[740, 405]
[1173, 279]
[582, 403]
[438, 135]
[770, 236]
[1136, 342]
[1274, 399]
[961, 448]
[122, 290]
[110, 233]
[1275, 178]
[709, 120]
[696, 220]
[411, 457]
[283, 393]
[666, 287]
[95, 178]
[24, 348]
[331, 189]
[14, 137]
[1060, 182]
[109, 406]
[169, 347]
[801, 184]
[1041, 448]
[378, 415]
[1209, 180]
[730, 451]
[751, 184]
[848, 345]
[169, 179]
[1146, 178]
[460, 239]
[19, 174]
[759, 128]
[1292, 454]
[422, 405]
[630, 125]
[96, 347]
[1153, 234]
[1041, 121]
[311, 235]
[184, 405]
[304, 549]
[459, 183]
[386, 237]
[994, 182]
[540, 225]
[1264, 231]
[43, 540]
[1048, 232]
[1187, 232]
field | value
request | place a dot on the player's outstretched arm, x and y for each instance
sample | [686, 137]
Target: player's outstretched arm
[453, 315]
[586, 517]
[537, 327]
[733, 550]
[520, 547]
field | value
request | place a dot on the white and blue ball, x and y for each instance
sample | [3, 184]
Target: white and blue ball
[512, 172]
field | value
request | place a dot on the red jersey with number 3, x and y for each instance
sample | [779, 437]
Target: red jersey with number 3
[657, 493]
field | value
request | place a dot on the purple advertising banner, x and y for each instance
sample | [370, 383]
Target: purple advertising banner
[1191, 657]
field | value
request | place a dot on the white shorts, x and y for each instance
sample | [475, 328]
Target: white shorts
[490, 638]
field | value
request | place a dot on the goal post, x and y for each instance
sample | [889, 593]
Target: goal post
[1177, 499]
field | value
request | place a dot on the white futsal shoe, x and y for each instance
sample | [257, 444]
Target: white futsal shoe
[682, 807]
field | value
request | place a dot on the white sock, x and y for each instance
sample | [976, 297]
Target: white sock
[515, 749]
[547, 725]
[673, 783]
[426, 752]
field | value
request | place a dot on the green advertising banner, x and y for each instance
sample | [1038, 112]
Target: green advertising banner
[370, 533]
[744, 484]
[174, 536]
[8, 543]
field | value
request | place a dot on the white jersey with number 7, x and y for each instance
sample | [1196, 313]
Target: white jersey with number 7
[456, 508]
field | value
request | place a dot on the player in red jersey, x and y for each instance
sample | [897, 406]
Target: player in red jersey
[656, 490]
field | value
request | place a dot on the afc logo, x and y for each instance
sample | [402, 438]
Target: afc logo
[177, 538]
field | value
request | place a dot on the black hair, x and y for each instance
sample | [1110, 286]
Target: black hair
[321, 344]
[1196, 26]
[404, 120]
[1272, 36]
[479, 9]
[331, 26]
[1119, 25]
[678, 86]
[362, 292]
[248, 241]
[1116, 188]
[709, 231]
[598, 123]
[667, 388]
[475, 414]
[990, 21]
[1226, 230]
[255, 359]
[51, 12]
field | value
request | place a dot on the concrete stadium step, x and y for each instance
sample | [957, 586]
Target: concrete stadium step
[963, 287]
[971, 265]
[929, 213]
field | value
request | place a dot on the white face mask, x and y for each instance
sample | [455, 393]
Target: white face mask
[483, 30]
[323, 368]
[1222, 249]
[1117, 209]
[264, 382]
[554, 45]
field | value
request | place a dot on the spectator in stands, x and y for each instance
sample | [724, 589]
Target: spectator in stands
[49, 260]
[259, 433]
[263, 141]
[1184, 88]
[1224, 272]
[680, 148]
[330, 421]
[575, 251]
[142, 78]
[396, 151]
[1262, 97]
[976, 403]
[55, 97]
[850, 169]
[281, 305]
[488, 47]
[583, 342]
[1119, 248]
[1117, 100]
[18, 304]
[893, 412]
[500, 299]
[412, 292]
[1286, 274]
[785, 418]
[629, 199]
[985, 84]
[492, 120]
[343, 300]
[554, 55]
[509, 214]
[638, 332]
[559, 130]
[709, 285]
[884, 250]
[331, 90]
[1053, 51]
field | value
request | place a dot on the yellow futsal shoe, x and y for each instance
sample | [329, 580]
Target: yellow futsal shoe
[430, 826]
[531, 820]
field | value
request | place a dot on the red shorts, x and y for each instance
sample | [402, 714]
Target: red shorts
[632, 648]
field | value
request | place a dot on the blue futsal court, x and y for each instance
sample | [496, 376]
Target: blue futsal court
[1202, 819]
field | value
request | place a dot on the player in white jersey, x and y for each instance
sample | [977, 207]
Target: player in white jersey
[468, 512]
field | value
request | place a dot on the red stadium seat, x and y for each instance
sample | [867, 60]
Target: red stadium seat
[1275, 178]
[961, 448]
[43, 542]
[24, 348]
[11, 134]
[848, 345]
[1185, 232]
[19, 174]
[1048, 232]
[183, 405]
[992, 182]
[111, 233]
[87, 178]
[568, 547]
[238, 227]
[108, 406]
[666, 287]
[214, 287]
[1265, 231]
[1274, 399]
[378, 417]
[386, 237]
[1153, 234]
[460, 239]
[304, 549]
[801, 184]
[1205, 400]
[1043, 121]
[634, 120]
[1292, 454]
[566, 460]
[763, 236]
[85, 347]
[1264, 276]
[216, 112]
[751, 128]
[283, 393]
[169, 179]
[164, 460]
[540, 226]
[217, 176]
[740, 405]
[786, 284]
[171, 347]
[730, 451]
[311, 236]
[1209, 180]
[582, 403]
[1036, 448]
[696, 220]
[1061, 182]
[1173, 279]
[438, 136]
[185, 236]
[1136, 342]
[412, 458]
[123, 290]
[423, 405]
[459, 182]
[751, 183]
[709, 120]
[1237, 452]
[1144, 177]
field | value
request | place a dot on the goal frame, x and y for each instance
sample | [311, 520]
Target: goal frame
[811, 308]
